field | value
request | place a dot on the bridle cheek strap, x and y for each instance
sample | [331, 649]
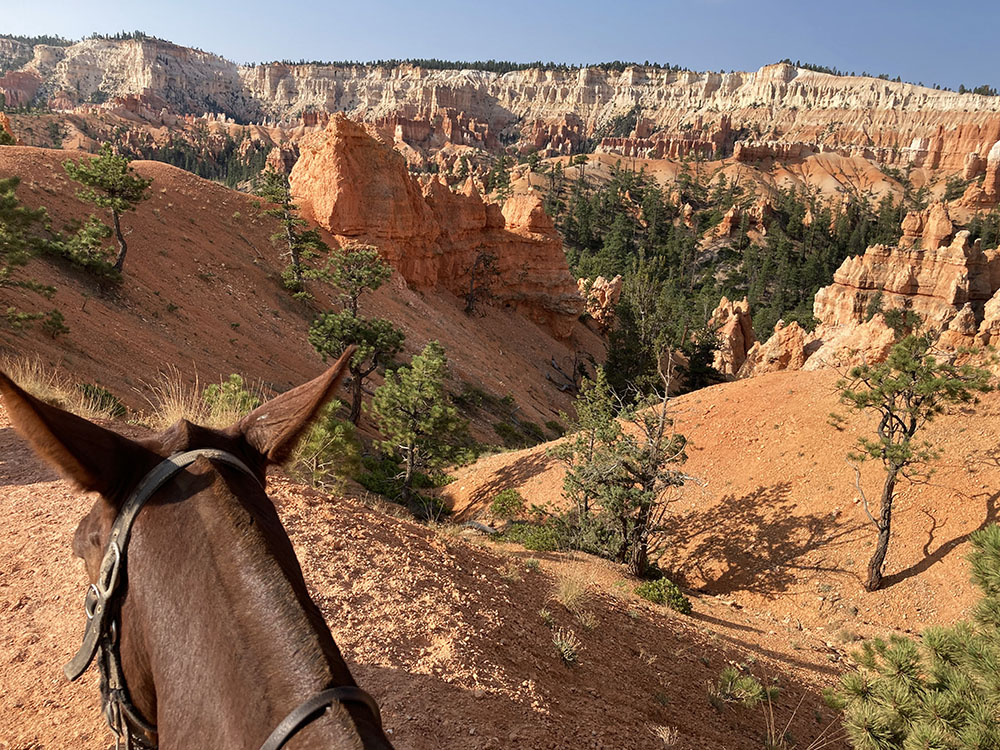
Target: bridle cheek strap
[101, 635]
[313, 708]
[102, 602]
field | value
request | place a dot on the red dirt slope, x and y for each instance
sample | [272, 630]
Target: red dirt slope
[444, 632]
[202, 292]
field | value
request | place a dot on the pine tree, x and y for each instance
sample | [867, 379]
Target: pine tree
[355, 271]
[905, 392]
[303, 244]
[941, 692]
[17, 243]
[415, 414]
[110, 183]
[621, 464]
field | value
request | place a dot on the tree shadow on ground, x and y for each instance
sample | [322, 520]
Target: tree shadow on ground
[930, 558]
[756, 542]
[514, 475]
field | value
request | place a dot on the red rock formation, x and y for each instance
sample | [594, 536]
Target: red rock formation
[557, 136]
[281, 159]
[359, 189]
[602, 296]
[5, 126]
[932, 283]
[928, 229]
[735, 334]
[688, 215]
[19, 87]
[784, 350]
[706, 141]
[849, 345]
[986, 195]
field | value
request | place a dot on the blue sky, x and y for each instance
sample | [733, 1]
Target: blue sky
[931, 42]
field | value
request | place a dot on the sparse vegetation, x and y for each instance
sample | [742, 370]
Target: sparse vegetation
[507, 503]
[905, 392]
[567, 645]
[664, 591]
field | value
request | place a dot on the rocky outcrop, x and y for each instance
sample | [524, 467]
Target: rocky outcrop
[359, 189]
[928, 229]
[734, 329]
[602, 297]
[784, 350]
[932, 283]
[954, 288]
[5, 126]
[986, 195]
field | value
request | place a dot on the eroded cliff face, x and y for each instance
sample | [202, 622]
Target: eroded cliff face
[952, 284]
[358, 188]
[778, 111]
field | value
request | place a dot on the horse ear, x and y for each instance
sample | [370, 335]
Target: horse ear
[273, 428]
[95, 458]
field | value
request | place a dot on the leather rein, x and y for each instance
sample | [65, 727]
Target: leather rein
[103, 607]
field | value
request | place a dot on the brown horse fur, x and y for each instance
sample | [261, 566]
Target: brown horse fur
[219, 637]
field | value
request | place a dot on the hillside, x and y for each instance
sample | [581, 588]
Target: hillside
[202, 294]
[777, 525]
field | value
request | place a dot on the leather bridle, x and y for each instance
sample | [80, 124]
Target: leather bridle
[103, 607]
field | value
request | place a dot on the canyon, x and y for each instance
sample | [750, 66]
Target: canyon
[776, 112]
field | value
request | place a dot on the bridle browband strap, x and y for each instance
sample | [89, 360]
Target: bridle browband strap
[100, 638]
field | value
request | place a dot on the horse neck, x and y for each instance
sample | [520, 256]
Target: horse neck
[220, 639]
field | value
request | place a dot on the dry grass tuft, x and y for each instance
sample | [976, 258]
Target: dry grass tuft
[171, 400]
[567, 645]
[570, 591]
[669, 736]
[49, 386]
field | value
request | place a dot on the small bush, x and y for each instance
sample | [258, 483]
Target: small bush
[507, 503]
[739, 688]
[54, 324]
[567, 645]
[229, 400]
[536, 537]
[664, 591]
[571, 591]
[555, 428]
[103, 401]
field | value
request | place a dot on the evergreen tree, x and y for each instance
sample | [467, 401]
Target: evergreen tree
[17, 243]
[355, 271]
[112, 184]
[905, 392]
[621, 464]
[415, 414]
[941, 693]
[302, 244]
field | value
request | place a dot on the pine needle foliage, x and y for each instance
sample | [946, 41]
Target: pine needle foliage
[941, 692]
[354, 272]
[420, 424]
[110, 182]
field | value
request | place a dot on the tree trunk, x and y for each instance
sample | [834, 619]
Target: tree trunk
[356, 395]
[408, 478]
[293, 251]
[122, 247]
[874, 581]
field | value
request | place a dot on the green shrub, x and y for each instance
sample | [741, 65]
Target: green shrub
[507, 503]
[536, 537]
[329, 452]
[664, 591]
[54, 324]
[229, 400]
[102, 400]
[555, 428]
[743, 689]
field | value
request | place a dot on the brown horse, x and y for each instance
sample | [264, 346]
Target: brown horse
[217, 638]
